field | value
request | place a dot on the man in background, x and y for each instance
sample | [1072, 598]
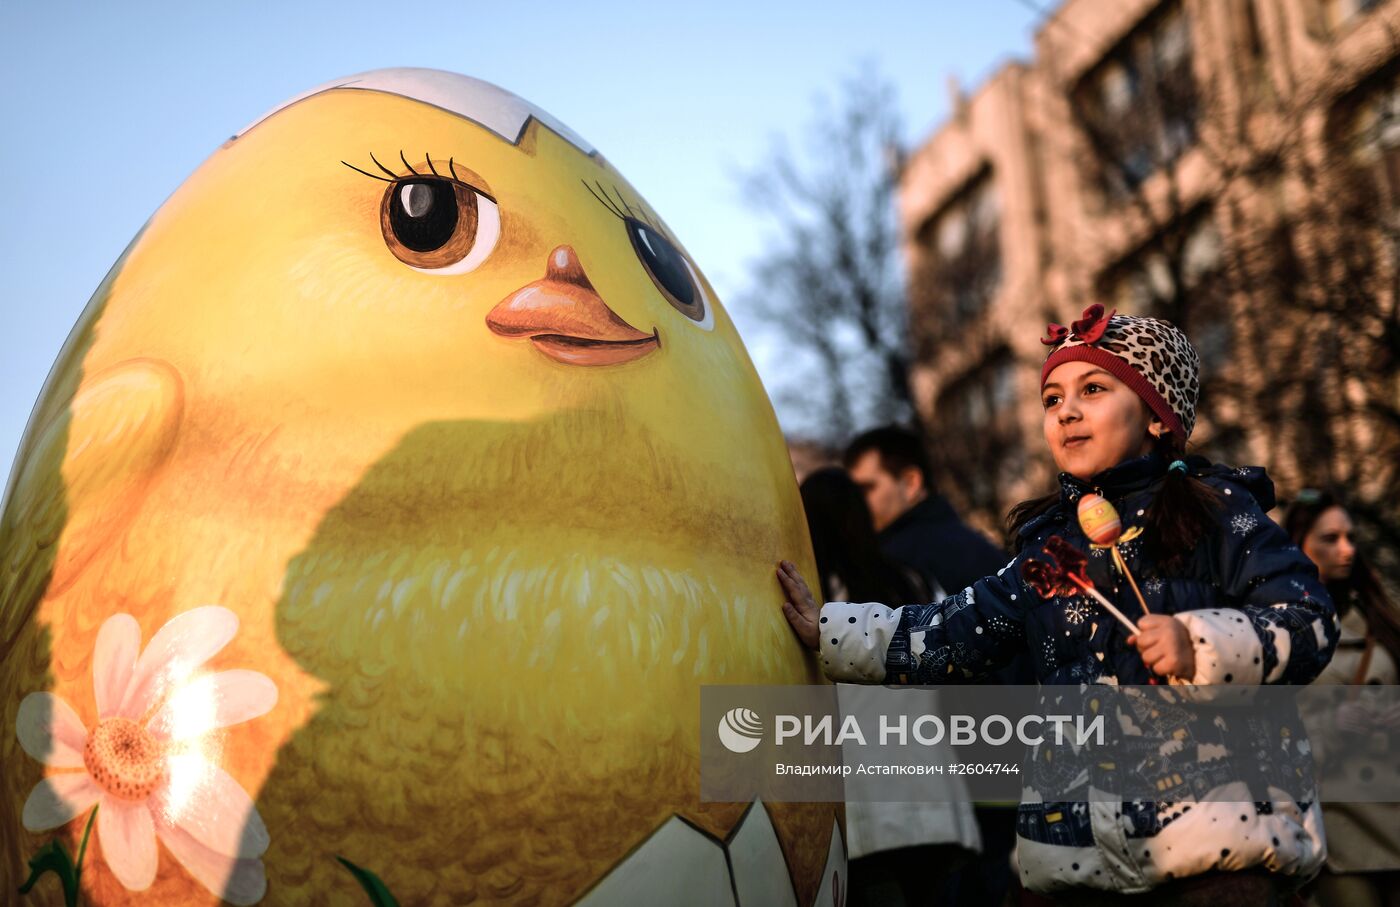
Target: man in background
[917, 525]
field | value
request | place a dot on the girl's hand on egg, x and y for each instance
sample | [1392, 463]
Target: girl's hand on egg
[1165, 645]
[801, 610]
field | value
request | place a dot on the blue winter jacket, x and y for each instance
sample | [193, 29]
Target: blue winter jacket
[1256, 612]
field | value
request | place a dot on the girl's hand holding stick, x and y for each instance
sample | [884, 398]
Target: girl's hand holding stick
[1162, 641]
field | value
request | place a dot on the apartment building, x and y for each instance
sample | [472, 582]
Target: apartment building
[1232, 165]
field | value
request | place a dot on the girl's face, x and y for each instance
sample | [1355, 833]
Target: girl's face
[1093, 420]
[1329, 544]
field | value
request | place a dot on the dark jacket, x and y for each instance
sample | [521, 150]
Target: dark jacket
[1256, 612]
[944, 550]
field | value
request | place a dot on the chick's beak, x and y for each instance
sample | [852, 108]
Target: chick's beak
[566, 319]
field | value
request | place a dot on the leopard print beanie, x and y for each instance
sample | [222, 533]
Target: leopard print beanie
[1152, 357]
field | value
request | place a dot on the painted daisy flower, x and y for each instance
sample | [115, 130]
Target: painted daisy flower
[151, 762]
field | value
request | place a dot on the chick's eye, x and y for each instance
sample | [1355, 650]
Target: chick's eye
[669, 270]
[439, 225]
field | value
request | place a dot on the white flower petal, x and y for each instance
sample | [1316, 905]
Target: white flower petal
[50, 731]
[207, 802]
[186, 641]
[214, 701]
[113, 660]
[236, 881]
[58, 799]
[127, 836]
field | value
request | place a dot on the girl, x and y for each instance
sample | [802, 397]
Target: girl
[1231, 600]
[1363, 862]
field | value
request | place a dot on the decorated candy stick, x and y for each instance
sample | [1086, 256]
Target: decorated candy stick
[1064, 570]
[1100, 522]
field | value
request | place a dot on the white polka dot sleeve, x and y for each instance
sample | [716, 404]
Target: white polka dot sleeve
[855, 638]
[1276, 622]
[1227, 649]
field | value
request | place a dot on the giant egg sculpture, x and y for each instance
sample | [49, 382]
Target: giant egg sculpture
[377, 527]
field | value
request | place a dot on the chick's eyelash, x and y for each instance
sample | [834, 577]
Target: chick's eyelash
[428, 160]
[622, 208]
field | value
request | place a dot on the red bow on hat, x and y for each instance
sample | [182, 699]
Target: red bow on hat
[1055, 334]
[1088, 328]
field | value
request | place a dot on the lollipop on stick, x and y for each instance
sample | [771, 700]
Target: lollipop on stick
[1064, 570]
[1100, 522]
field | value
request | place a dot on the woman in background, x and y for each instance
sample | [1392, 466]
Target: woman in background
[850, 563]
[1363, 839]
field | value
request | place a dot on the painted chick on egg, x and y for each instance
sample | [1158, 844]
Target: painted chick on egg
[377, 527]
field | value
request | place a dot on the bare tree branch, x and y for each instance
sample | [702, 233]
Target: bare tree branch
[829, 284]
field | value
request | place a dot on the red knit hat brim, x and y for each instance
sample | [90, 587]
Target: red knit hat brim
[1120, 369]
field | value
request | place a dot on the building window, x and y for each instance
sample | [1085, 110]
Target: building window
[1150, 281]
[1179, 277]
[1375, 138]
[961, 250]
[1337, 13]
[1138, 107]
[979, 448]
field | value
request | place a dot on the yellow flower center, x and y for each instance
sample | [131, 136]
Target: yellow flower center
[124, 759]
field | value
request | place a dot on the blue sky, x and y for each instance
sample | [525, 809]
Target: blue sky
[109, 106]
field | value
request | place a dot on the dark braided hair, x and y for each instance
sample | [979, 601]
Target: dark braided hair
[846, 546]
[1182, 512]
